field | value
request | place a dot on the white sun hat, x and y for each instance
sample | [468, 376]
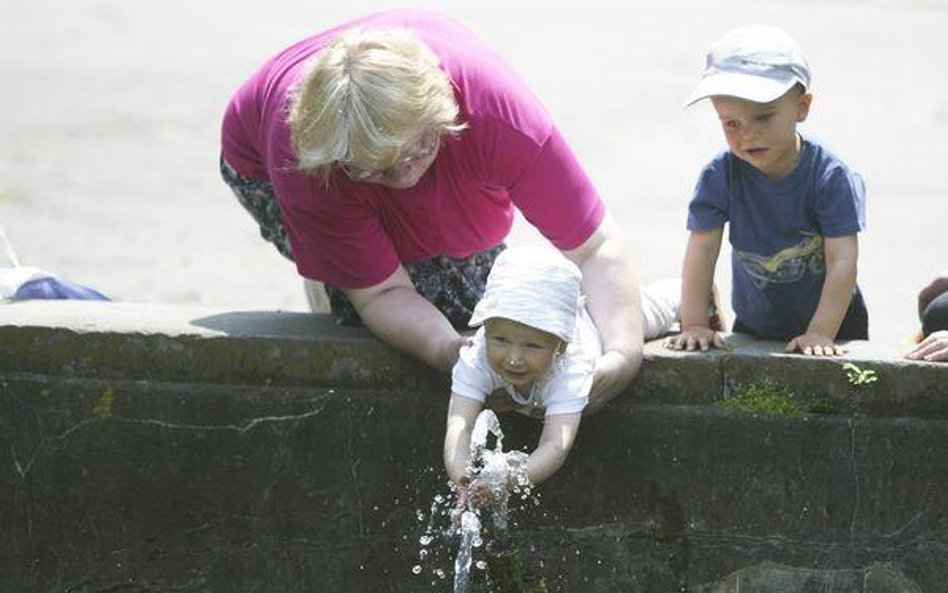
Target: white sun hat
[758, 63]
[533, 286]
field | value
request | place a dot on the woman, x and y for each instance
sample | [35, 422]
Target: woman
[386, 157]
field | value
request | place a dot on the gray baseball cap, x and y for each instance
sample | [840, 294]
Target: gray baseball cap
[758, 63]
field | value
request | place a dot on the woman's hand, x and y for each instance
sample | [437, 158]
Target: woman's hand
[612, 374]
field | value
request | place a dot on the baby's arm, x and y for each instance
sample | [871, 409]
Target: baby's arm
[841, 254]
[462, 413]
[556, 440]
[697, 278]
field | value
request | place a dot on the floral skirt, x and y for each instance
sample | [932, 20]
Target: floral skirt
[452, 285]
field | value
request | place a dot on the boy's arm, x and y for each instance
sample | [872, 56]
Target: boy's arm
[841, 254]
[556, 440]
[697, 279]
[462, 413]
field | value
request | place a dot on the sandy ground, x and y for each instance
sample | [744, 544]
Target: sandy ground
[109, 122]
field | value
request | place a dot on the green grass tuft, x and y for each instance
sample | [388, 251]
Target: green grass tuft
[769, 398]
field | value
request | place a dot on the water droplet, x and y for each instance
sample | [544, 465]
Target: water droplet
[424, 540]
[416, 569]
[423, 554]
[480, 564]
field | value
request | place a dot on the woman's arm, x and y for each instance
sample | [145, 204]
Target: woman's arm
[612, 298]
[556, 440]
[395, 312]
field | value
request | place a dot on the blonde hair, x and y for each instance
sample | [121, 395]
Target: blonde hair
[366, 95]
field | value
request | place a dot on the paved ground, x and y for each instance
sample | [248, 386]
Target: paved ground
[109, 116]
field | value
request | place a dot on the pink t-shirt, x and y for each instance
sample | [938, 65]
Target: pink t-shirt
[354, 235]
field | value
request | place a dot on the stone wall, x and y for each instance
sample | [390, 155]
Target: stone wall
[153, 449]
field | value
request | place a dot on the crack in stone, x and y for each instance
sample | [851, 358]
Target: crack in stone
[241, 428]
[23, 470]
[353, 466]
[897, 532]
[855, 468]
[20, 470]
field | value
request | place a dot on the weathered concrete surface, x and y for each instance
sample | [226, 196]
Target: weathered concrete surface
[195, 345]
[159, 449]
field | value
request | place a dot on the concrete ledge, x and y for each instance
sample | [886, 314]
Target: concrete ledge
[162, 343]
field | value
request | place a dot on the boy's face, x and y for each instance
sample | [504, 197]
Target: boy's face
[764, 134]
[519, 353]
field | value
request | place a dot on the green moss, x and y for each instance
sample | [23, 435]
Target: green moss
[103, 407]
[769, 398]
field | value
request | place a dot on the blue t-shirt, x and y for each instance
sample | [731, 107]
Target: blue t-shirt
[776, 232]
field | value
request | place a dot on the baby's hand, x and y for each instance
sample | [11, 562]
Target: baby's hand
[695, 338]
[472, 493]
[478, 494]
[814, 344]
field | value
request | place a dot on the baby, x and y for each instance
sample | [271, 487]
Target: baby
[536, 347]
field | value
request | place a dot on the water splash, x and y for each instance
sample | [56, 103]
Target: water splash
[494, 475]
[479, 511]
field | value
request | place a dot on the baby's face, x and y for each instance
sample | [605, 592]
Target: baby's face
[764, 134]
[519, 353]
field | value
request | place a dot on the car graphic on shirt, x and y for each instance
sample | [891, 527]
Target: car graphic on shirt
[787, 265]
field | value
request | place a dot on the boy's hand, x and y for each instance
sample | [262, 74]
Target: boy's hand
[695, 338]
[814, 344]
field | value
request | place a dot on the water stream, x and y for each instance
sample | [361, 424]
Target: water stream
[479, 512]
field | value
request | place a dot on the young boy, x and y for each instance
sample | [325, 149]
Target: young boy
[794, 208]
[538, 347]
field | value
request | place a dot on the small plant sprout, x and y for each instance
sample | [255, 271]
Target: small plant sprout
[858, 377]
